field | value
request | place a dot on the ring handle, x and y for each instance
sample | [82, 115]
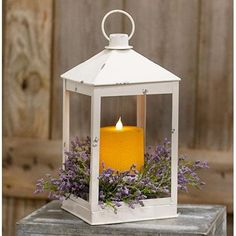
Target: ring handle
[117, 11]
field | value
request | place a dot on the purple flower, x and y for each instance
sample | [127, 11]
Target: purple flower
[130, 186]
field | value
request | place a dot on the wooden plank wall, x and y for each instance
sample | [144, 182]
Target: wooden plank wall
[214, 83]
[27, 63]
[193, 39]
[26, 96]
[159, 35]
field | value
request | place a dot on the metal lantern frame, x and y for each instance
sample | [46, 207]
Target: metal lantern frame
[90, 211]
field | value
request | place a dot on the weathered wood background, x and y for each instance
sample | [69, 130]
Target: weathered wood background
[42, 39]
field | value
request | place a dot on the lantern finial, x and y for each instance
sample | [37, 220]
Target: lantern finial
[118, 41]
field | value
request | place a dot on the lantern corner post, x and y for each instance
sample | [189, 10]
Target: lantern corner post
[141, 110]
[95, 149]
[65, 120]
[174, 143]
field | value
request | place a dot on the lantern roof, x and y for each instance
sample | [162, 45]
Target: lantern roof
[114, 67]
[118, 64]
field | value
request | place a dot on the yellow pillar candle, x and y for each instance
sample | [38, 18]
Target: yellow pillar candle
[121, 147]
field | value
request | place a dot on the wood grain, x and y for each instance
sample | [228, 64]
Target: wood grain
[218, 179]
[193, 39]
[29, 160]
[15, 209]
[114, 107]
[167, 33]
[27, 55]
[176, 35]
[78, 36]
[26, 96]
[214, 89]
[141, 112]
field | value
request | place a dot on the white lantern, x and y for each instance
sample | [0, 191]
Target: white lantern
[120, 71]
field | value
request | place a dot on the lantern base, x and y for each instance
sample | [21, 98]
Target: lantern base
[80, 208]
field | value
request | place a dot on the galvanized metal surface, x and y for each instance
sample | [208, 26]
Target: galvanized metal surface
[193, 220]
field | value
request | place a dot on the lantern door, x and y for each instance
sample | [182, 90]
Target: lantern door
[156, 109]
[134, 104]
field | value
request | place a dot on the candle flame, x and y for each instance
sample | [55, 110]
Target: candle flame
[119, 124]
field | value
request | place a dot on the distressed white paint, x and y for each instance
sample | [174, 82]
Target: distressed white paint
[125, 66]
[65, 120]
[76, 87]
[95, 146]
[125, 213]
[154, 208]
[122, 12]
[136, 89]
[121, 72]
[83, 203]
[174, 143]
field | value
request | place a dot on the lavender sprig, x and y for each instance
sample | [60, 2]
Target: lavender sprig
[131, 186]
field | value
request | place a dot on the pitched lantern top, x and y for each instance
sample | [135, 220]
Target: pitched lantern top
[118, 64]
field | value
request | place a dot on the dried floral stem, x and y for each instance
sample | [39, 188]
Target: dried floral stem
[131, 186]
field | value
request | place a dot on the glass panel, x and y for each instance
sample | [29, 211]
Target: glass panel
[116, 147]
[114, 107]
[78, 158]
[121, 152]
[158, 144]
[134, 166]
[80, 115]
